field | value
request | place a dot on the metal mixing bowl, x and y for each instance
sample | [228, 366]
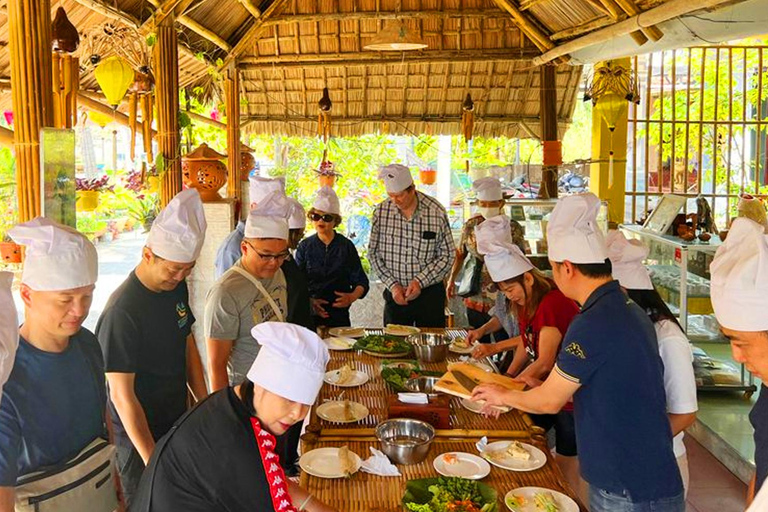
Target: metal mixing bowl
[430, 348]
[422, 385]
[405, 440]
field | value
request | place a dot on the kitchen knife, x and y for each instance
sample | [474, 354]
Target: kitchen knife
[464, 380]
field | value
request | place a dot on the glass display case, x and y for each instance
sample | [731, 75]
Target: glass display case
[680, 272]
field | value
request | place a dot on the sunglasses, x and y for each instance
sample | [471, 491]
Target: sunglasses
[326, 218]
[269, 257]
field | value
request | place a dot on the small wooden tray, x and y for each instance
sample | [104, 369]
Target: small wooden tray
[448, 383]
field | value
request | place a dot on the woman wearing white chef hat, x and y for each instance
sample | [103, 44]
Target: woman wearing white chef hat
[479, 299]
[52, 407]
[739, 292]
[627, 258]
[542, 315]
[221, 456]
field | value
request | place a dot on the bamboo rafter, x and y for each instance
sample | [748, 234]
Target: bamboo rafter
[251, 8]
[256, 27]
[287, 18]
[529, 28]
[196, 27]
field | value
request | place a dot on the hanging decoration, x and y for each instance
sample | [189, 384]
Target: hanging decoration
[610, 89]
[467, 117]
[326, 172]
[395, 37]
[324, 115]
[66, 70]
[8, 115]
[114, 75]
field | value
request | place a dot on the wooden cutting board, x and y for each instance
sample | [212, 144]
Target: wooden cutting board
[448, 383]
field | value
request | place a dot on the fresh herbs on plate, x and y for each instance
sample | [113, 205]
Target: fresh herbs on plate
[382, 344]
[397, 377]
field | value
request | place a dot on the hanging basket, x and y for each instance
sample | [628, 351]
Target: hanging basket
[10, 252]
[87, 200]
[427, 176]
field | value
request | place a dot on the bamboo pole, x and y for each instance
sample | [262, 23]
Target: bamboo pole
[32, 95]
[549, 135]
[629, 7]
[133, 113]
[660, 14]
[90, 103]
[232, 102]
[167, 97]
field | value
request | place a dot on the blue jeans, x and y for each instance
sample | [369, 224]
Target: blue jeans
[604, 501]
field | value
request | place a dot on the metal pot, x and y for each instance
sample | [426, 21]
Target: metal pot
[422, 385]
[405, 440]
[430, 348]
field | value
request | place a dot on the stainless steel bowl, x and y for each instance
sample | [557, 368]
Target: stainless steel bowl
[430, 348]
[422, 385]
[404, 440]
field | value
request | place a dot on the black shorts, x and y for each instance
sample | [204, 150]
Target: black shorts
[565, 430]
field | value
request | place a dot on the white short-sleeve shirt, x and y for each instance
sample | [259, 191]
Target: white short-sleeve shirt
[679, 380]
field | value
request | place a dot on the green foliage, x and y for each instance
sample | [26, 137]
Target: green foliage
[8, 217]
[151, 39]
[90, 223]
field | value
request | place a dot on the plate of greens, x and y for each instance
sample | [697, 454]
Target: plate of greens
[396, 377]
[383, 346]
[449, 494]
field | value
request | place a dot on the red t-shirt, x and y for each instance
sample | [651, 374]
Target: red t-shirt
[555, 310]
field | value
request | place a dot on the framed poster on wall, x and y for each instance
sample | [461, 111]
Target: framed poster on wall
[57, 183]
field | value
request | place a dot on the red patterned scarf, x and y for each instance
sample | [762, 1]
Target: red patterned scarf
[278, 486]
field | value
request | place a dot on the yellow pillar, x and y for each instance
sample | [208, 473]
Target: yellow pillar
[606, 184]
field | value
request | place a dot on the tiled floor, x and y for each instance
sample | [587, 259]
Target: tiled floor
[713, 488]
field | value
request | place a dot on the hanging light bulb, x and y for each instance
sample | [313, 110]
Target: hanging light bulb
[114, 75]
[325, 103]
[395, 36]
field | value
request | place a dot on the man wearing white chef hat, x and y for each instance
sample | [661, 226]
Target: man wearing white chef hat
[627, 257]
[145, 333]
[411, 249]
[609, 364]
[211, 462]
[739, 290]
[53, 404]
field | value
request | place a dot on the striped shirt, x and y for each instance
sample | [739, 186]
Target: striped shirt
[422, 248]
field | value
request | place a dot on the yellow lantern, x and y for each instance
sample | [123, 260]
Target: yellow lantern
[100, 119]
[610, 107]
[114, 76]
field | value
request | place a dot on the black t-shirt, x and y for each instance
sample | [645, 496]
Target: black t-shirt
[299, 310]
[208, 462]
[145, 333]
[759, 419]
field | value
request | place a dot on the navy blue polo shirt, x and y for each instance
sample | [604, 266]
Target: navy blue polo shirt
[759, 419]
[622, 429]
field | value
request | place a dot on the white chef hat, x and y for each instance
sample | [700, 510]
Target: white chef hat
[627, 258]
[573, 233]
[269, 219]
[739, 287]
[327, 201]
[178, 232]
[506, 261]
[396, 177]
[57, 256]
[492, 233]
[488, 189]
[259, 188]
[291, 361]
[298, 217]
[9, 328]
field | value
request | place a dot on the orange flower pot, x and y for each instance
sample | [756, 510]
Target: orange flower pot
[10, 252]
[428, 176]
[247, 162]
[327, 180]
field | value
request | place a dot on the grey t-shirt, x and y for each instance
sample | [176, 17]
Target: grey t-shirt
[233, 306]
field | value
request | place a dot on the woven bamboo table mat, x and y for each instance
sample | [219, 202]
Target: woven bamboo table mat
[364, 492]
[373, 394]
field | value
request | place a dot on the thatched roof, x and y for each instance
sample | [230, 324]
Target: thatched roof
[288, 50]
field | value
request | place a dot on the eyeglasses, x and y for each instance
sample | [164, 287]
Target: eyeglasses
[326, 218]
[268, 257]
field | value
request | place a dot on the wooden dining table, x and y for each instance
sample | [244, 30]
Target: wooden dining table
[365, 492]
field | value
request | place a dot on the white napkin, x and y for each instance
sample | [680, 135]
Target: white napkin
[413, 398]
[482, 444]
[379, 464]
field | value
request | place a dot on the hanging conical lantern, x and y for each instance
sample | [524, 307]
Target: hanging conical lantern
[610, 107]
[64, 36]
[395, 36]
[100, 119]
[114, 76]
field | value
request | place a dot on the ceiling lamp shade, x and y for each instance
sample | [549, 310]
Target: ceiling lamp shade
[114, 76]
[395, 37]
[610, 107]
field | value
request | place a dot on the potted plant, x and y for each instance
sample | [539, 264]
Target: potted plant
[327, 174]
[428, 176]
[144, 211]
[88, 190]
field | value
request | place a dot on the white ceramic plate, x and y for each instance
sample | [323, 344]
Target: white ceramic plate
[466, 466]
[339, 343]
[460, 350]
[347, 332]
[325, 463]
[564, 503]
[401, 330]
[358, 379]
[480, 365]
[477, 407]
[334, 411]
[537, 460]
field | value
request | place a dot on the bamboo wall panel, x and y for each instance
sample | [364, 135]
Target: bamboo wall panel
[32, 93]
[232, 102]
[167, 99]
